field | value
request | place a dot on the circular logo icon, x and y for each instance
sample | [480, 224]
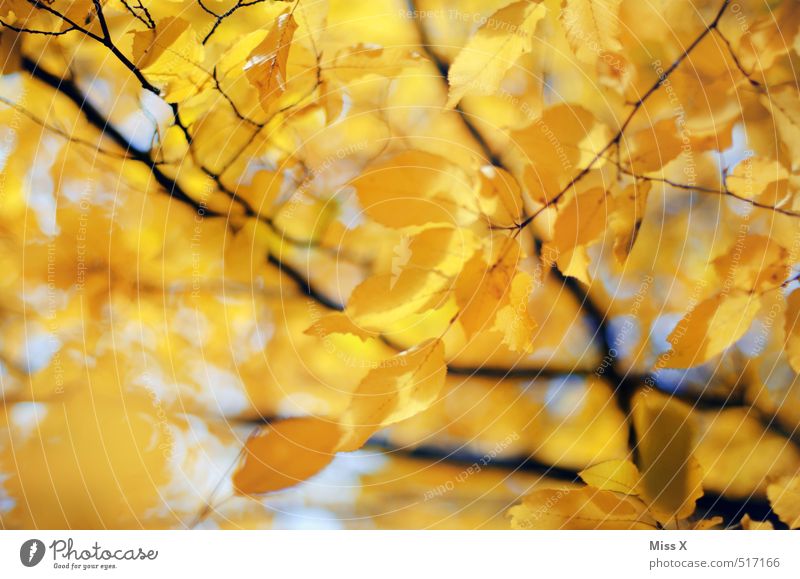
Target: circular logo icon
[32, 552]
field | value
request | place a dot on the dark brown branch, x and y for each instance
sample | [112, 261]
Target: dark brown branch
[724, 191]
[34, 31]
[105, 40]
[711, 504]
[235, 109]
[141, 13]
[61, 132]
[636, 107]
[98, 120]
[221, 17]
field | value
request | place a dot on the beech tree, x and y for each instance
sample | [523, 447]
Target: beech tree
[438, 264]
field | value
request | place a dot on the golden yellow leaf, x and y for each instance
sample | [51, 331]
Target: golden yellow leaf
[585, 508]
[739, 454]
[754, 263]
[752, 176]
[792, 330]
[581, 222]
[286, 453]
[10, 53]
[626, 217]
[709, 328]
[421, 274]
[591, 26]
[402, 387]
[551, 145]
[262, 192]
[649, 150]
[761, 43]
[338, 323]
[500, 196]
[620, 476]
[784, 496]
[169, 55]
[266, 65]
[367, 58]
[415, 188]
[513, 320]
[749, 524]
[784, 104]
[483, 285]
[671, 478]
[505, 36]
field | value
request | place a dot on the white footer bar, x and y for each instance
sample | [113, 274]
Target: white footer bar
[401, 554]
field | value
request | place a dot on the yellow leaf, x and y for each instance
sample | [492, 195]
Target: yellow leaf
[513, 320]
[591, 27]
[784, 496]
[483, 286]
[292, 450]
[626, 217]
[286, 453]
[262, 192]
[10, 53]
[585, 508]
[739, 454]
[421, 275]
[505, 36]
[709, 328]
[791, 329]
[754, 263]
[266, 64]
[305, 219]
[749, 524]
[500, 196]
[551, 145]
[707, 524]
[784, 104]
[620, 476]
[170, 55]
[338, 323]
[415, 188]
[651, 148]
[769, 37]
[753, 175]
[581, 222]
[402, 387]
[367, 58]
[671, 478]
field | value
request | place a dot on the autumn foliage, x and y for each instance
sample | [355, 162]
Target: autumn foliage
[438, 264]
